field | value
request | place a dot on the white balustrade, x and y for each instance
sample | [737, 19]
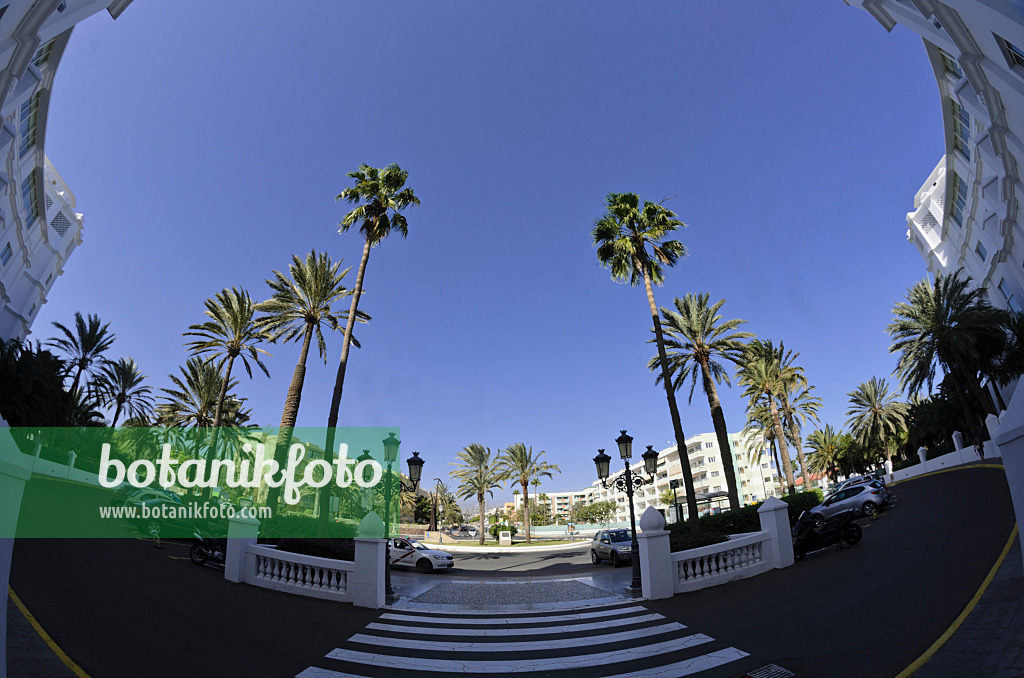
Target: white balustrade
[740, 557]
[297, 573]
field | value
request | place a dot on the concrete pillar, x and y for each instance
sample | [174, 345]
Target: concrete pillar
[14, 473]
[367, 582]
[239, 565]
[1010, 439]
[72, 456]
[922, 454]
[774, 517]
[992, 450]
[958, 440]
[656, 569]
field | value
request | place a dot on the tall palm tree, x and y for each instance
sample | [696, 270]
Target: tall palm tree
[33, 392]
[826, 448]
[797, 407]
[85, 346]
[230, 333]
[519, 464]
[478, 475]
[631, 242]
[943, 324]
[767, 372]
[696, 339]
[875, 414]
[384, 196]
[301, 305]
[120, 386]
[193, 399]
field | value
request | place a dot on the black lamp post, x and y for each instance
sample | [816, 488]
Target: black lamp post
[628, 483]
[433, 507]
[391, 483]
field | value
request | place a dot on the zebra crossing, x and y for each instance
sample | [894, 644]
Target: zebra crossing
[616, 640]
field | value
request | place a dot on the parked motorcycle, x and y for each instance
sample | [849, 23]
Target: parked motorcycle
[835, 530]
[208, 549]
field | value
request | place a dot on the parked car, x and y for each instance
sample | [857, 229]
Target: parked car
[411, 553]
[866, 497]
[613, 545]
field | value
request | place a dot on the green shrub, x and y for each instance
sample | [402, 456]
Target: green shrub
[495, 529]
[339, 549]
[745, 519]
[682, 540]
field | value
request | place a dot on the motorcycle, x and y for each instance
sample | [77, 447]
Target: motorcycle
[208, 549]
[836, 530]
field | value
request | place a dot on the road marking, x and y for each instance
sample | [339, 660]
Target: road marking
[66, 660]
[688, 666]
[515, 666]
[920, 661]
[551, 644]
[473, 633]
[509, 620]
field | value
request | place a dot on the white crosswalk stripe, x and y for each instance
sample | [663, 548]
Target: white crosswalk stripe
[592, 643]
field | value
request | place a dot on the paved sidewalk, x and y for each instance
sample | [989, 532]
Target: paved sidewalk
[990, 642]
[27, 655]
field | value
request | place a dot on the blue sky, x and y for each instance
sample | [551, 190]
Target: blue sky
[205, 146]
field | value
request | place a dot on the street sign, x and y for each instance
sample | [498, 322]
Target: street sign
[673, 484]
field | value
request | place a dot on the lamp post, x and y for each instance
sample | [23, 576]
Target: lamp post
[628, 483]
[392, 482]
[433, 507]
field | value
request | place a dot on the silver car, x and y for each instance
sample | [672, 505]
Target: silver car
[865, 497]
[613, 545]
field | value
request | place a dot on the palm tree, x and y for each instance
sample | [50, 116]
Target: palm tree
[231, 333]
[85, 346]
[120, 386]
[826, 448]
[301, 306]
[875, 414]
[193, 400]
[695, 337]
[478, 474]
[33, 392]
[519, 464]
[943, 324]
[797, 407]
[384, 196]
[83, 409]
[631, 241]
[767, 372]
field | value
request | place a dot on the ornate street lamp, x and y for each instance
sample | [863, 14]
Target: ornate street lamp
[628, 483]
[392, 482]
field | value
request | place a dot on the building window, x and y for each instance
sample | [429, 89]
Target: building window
[6, 255]
[1014, 54]
[714, 474]
[981, 251]
[961, 130]
[1010, 301]
[43, 54]
[959, 198]
[950, 63]
[709, 445]
[60, 224]
[710, 459]
[28, 200]
[32, 310]
[764, 465]
[28, 126]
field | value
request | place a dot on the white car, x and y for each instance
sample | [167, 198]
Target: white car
[411, 553]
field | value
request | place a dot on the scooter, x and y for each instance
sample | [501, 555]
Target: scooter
[208, 549]
[835, 530]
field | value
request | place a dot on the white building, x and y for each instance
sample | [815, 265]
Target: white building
[39, 227]
[967, 214]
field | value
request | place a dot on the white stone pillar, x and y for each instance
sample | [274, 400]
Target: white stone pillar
[1010, 439]
[958, 440]
[14, 473]
[992, 450]
[922, 454]
[72, 456]
[774, 517]
[239, 564]
[656, 571]
[367, 582]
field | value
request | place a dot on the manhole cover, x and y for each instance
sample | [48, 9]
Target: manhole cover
[770, 671]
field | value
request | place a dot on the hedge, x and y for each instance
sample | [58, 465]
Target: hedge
[745, 519]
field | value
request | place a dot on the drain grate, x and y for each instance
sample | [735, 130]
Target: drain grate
[770, 671]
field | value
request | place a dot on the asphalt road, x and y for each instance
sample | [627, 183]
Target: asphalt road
[121, 608]
[570, 563]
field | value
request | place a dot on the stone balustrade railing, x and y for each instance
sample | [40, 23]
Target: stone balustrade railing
[740, 557]
[664, 574]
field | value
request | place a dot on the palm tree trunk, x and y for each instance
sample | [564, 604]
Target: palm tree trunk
[339, 380]
[526, 510]
[677, 424]
[800, 454]
[78, 375]
[984, 398]
[721, 433]
[290, 415]
[117, 413]
[787, 465]
[775, 455]
[483, 508]
[216, 418]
